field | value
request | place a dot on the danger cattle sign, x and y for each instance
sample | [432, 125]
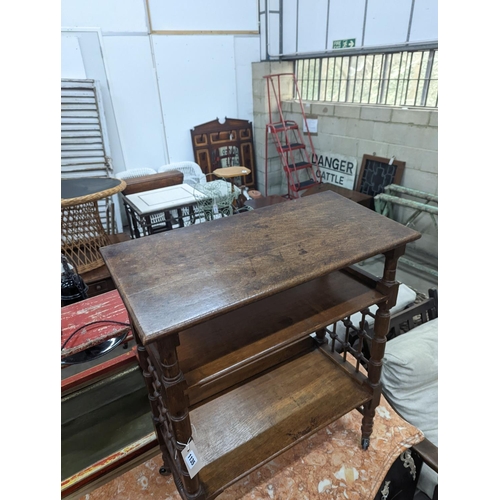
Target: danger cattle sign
[336, 169]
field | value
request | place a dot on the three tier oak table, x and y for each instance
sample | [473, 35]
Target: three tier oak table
[231, 320]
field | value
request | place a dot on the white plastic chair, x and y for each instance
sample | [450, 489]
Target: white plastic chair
[192, 172]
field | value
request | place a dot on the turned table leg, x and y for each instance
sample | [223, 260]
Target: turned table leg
[389, 287]
[176, 409]
[320, 336]
[154, 399]
[166, 387]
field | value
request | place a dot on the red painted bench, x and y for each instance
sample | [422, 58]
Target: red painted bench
[79, 331]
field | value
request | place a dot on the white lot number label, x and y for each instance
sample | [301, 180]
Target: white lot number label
[192, 459]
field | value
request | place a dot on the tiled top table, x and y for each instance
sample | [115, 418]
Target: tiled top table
[150, 212]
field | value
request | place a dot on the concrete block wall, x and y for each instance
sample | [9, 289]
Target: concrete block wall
[410, 135]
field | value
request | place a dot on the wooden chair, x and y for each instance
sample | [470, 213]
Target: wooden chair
[409, 383]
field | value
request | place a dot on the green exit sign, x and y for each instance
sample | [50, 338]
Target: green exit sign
[344, 44]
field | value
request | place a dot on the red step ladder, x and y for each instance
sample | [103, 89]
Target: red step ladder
[295, 153]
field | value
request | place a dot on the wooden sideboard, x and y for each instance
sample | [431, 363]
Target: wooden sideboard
[153, 181]
[230, 319]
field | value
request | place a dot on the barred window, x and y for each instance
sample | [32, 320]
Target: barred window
[406, 78]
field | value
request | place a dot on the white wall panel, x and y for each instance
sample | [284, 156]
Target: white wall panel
[246, 50]
[425, 21]
[273, 35]
[263, 29]
[387, 22]
[136, 100]
[201, 15]
[346, 21]
[197, 83]
[109, 15]
[290, 27]
[273, 7]
[71, 58]
[312, 26]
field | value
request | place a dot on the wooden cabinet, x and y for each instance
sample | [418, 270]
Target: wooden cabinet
[230, 319]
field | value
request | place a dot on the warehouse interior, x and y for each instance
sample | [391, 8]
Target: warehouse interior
[361, 82]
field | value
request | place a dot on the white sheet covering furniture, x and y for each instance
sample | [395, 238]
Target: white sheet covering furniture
[410, 384]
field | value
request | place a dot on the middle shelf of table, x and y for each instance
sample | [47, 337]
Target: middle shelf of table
[224, 351]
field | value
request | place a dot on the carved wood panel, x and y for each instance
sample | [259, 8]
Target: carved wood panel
[219, 145]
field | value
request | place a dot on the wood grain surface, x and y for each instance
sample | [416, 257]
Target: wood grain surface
[173, 281]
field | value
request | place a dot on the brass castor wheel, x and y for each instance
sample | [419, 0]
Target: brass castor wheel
[164, 471]
[365, 442]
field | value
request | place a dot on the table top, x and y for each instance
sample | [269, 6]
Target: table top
[234, 261]
[265, 201]
[85, 189]
[167, 198]
[348, 193]
[229, 172]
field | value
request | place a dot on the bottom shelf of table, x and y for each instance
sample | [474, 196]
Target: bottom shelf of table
[253, 423]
